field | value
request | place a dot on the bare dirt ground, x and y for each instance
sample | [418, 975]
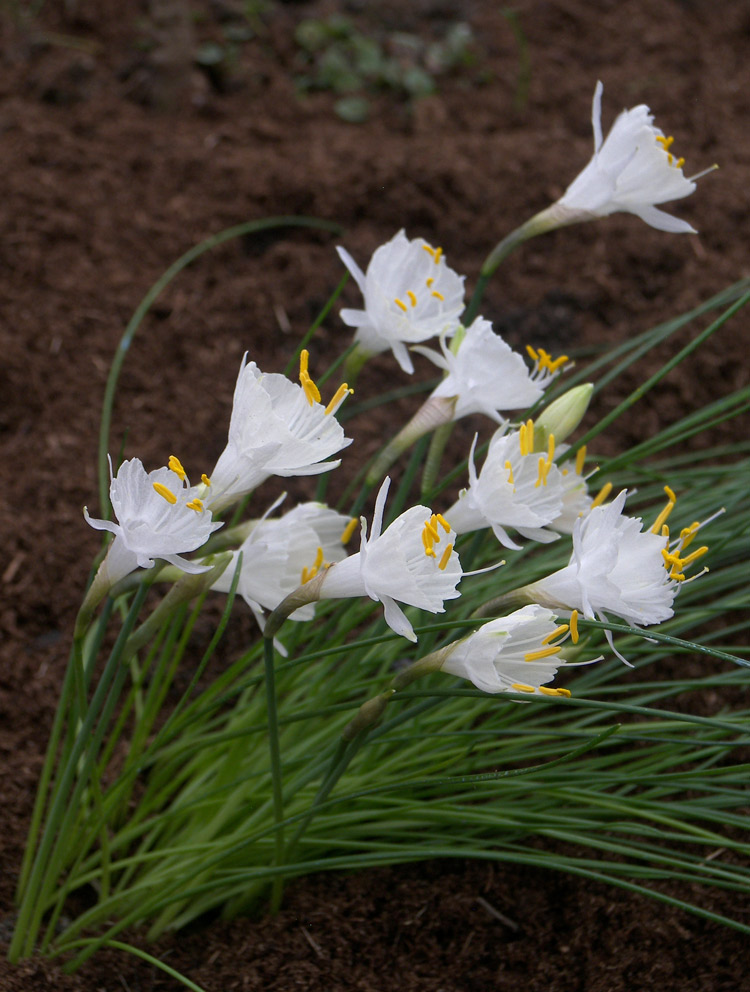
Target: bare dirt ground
[102, 190]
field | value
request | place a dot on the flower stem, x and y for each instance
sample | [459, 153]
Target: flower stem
[276, 771]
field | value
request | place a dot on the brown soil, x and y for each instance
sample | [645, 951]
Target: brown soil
[101, 192]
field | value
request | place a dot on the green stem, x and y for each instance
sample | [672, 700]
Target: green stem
[276, 771]
[434, 456]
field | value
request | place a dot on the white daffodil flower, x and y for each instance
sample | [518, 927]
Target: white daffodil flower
[280, 553]
[159, 515]
[616, 567]
[576, 500]
[516, 488]
[511, 654]
[277, 428]
[632, 170]
[413, 561]
[484, 375]
[410, 295]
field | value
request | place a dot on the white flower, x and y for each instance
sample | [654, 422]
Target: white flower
[485, 375]
[280, 553]
[158, 516]
[511, 654]
[276, 428]
[616, 567]
[412, 561]
[516, 488]
[576, 501]
[631, 170]
[410, 295]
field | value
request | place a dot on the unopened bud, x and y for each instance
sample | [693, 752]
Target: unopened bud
[562, 416]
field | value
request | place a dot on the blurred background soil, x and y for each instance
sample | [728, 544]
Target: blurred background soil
[119, 151]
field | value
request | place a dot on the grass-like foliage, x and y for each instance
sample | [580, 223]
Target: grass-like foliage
[343, 745]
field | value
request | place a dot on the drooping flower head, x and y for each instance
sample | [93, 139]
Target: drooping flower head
[410, 295]
[512, 654]
[158, 514]
[280, 553]
[517, 487]
[413, 561]
[484, 374]
[632, 170]
[616, 567]
[277, 428]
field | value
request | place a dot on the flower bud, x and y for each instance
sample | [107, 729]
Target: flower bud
[563, 415]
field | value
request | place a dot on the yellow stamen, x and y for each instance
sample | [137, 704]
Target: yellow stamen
[558, 363]
[304, 358]
[412, 297]
[305, 576]
[532, 353]
[603, 493]
[195, 504]
[429, 282]
[574, 626]
[205, 480]
[427, 542]
[167, 494]
[432, 530]
[438, 296]
[666, 143]
[443, 522]
[520, 687]
[679, 163]
[557, 632]
[687, 534]
[429, 249]
[509, 469]
[349, 530]
[338, 396]
[665, 531]
[400, 303]
[564, 692]
[446, 557]
[670, 158]
[580, 459]
[698, 553]
[522, 442]
[670, 494]
[436, 256]
[548, 692]
[310, 390]
[175, 465]
[543, 468]
[318, 559]
[661, 519]
[542, 653]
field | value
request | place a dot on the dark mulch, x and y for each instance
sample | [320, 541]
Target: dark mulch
[101, 191]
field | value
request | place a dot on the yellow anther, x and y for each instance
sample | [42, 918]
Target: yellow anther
[446, 557]
[542, 653]
[509, 469]
[574, 626]
[318, 559]
[602, 495]
[530, 435]
[309, 388]
[661, 519]
[349, 530]
[427, 542]
[401, 304]
[520, 687]
[195, 504]
[429, 249]
[687, 534]
[443, 522]
[304, 358]
[558, 363]
[665, 531]
[548, 692]
[666, 143]
[167, 494]
[429, 282]
[437, 255]
[670, 494]
[429, 526]
[543, 468]
[175, 465]
[670, 158]
[557, 632]
[564, 692]
[412, 297]
[580, 459]
[205, 480]
[679, 163]
[532, 353]
[338, 396]
[698, 553]
[438, 296]
[304, 576]
[522, 442]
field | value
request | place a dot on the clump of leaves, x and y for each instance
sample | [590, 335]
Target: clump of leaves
[337, 56]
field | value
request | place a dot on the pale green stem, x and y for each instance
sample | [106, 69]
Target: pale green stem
[276, 771]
